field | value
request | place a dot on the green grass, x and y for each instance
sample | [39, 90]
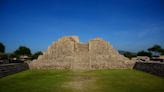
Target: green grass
[128, 81]
[88, 81]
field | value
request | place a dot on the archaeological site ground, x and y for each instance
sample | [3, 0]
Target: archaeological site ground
[116, 80]
[71, 66]
[81, 45]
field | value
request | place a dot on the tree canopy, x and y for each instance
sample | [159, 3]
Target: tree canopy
[2, 48]
[3, 56]
[162, 52]
[144, 53]
[35, 56]
[156, 48]
[22, 50]
[129, 55]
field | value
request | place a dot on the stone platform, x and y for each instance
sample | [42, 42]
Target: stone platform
[69, 53]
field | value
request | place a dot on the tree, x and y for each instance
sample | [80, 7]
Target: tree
[155, 48]
[35, 56]
[22, 50]
[3, 56]
[144, 53]
[2, 48]
[129, 55]
[13, 55]
[162, 51]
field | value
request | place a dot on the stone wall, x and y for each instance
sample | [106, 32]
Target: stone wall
[69, 53]
[8, 69]
[155, 68]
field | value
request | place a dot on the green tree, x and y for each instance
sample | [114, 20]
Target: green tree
[13, 55]
[3, 56]
[155, 48]
[22, 50]
[2, 48]
[129, 55]
[144, 53]
[162, 51]
[35, 56]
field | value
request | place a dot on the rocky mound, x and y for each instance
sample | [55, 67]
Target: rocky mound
[69, 53]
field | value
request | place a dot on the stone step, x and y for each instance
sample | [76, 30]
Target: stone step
[82, 48]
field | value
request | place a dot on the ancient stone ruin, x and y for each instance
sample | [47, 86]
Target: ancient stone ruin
[70, 53]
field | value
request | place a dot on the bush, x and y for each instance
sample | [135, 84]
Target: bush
[2, 48]
[3, 56]
[35, 56]
[144, 53]
[129, 55]
[22, 50]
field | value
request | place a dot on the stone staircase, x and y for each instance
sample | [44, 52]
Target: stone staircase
[81, 59]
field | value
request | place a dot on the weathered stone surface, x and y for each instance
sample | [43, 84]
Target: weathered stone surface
[69, 53]
[12, 68]
[156, 68]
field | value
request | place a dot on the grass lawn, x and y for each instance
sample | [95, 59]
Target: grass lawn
[88, 81]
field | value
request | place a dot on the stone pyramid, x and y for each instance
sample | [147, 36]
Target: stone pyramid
[69, 53]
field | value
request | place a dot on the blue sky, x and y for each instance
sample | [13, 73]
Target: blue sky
[130, 25]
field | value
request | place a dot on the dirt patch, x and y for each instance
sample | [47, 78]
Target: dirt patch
[81, 84]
